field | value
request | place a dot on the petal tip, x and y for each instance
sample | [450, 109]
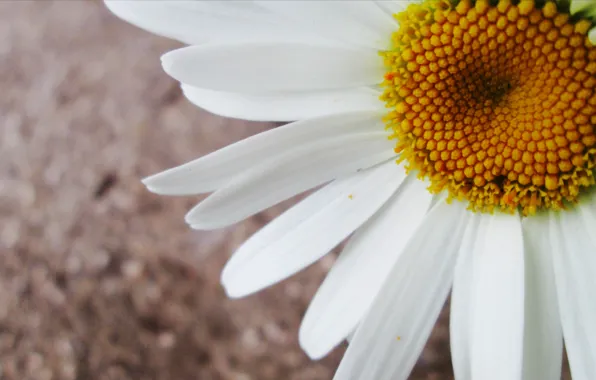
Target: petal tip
[206, 216]
[234, 292]
[226, 274]
[167, 61]
[153, 190]
[195, 216]
[188, 218]
[310, 340]
[148, 181]
[157, 188]
[310, 349]
[153, 187]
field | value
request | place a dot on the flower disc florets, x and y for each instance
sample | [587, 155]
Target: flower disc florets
[495, 102]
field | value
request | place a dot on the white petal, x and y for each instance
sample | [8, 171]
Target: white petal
[292, 244]
[394, 331]
[287, 106]
[260, 68]
[461, 294]
[497, 299]
[573, 236]
[543, 338]
[301, 169]
[357, 275]
[393, 6]
[304, 210]
[295, 216]
[358, 22]
[200, 21]
[159, 18]
[242, 9]
[217, 169]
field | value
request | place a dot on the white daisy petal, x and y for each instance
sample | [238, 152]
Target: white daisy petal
[497, 299]
[288, 250]
[262, 68]
[160, 18]
[574, 247]
[543, 339]
[301, 169]
[393, 333]
[242, 9]
[217, 169]
[194, 22]
[393, 6]
[293, 217]
[461, 294]
[358, 22]
[284, 106]
[361, 269]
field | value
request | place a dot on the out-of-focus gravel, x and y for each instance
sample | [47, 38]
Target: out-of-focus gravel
[98, 278]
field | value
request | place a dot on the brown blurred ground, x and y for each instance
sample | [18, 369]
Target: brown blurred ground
[98, 278]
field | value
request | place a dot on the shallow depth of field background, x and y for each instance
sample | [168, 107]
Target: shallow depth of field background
[100, 279]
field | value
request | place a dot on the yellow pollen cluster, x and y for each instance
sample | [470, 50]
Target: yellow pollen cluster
[494, 101]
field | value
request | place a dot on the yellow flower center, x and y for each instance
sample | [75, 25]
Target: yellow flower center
[494, 101]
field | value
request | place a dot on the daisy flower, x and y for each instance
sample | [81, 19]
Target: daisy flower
[454, 145]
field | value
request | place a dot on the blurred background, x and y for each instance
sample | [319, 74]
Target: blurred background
[100, 279]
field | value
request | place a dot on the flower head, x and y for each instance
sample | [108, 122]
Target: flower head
[454, 142]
